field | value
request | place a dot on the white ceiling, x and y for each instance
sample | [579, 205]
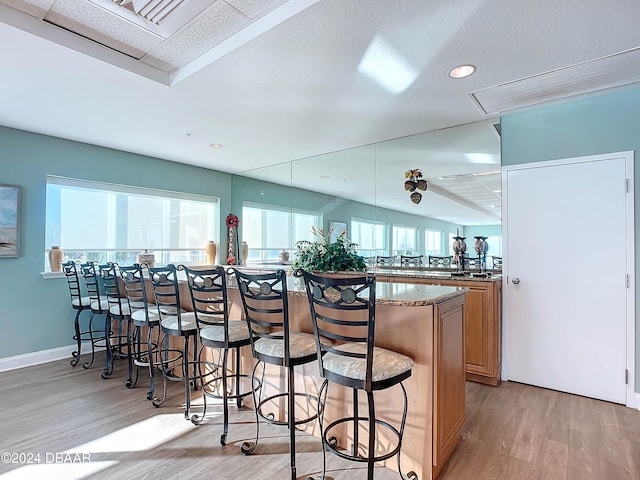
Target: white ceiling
[305, 86]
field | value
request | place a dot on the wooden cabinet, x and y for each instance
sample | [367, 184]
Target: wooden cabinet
[483, 325]
[448, 380]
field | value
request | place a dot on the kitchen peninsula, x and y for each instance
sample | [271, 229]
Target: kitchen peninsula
[483, 317]
[424, 322]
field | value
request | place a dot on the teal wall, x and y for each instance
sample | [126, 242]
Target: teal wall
[35, 314]
[471, 231]
[603, 124]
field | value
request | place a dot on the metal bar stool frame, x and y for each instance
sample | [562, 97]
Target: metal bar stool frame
[120, 312]
[353, 295]
[411, 260]
[99, 304]
[80, 304]
[210, 303]
[266, 309]
[142, 316]
[178, 324]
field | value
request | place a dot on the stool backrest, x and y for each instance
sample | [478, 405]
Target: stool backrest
[439, 262]
[208, 291]
[71, 273]
[88, 271]
[166, 291]
[497, 263]
[385, 261]
[266, 307]
[343, 310]
[109, 276]
[134, 288]
[410, 260]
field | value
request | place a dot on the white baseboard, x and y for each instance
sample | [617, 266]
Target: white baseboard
[637, 402]
[43, 356]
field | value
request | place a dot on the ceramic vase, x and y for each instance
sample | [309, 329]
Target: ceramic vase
[55, 258]
[148, 258]
[211, 250]
[245, 252]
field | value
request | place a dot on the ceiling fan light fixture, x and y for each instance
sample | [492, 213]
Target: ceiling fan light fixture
[462, 71]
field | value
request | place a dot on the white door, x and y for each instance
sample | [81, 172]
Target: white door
[568, 232]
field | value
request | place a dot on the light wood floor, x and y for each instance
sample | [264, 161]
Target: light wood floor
[512, 432]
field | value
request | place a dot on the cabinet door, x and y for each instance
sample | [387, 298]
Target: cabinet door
[477, 331]
[449, 380]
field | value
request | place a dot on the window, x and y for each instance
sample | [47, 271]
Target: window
[106, 222]
[268, 230]
[433, 243]
[371, 237]
[405, 241]
[495, 246]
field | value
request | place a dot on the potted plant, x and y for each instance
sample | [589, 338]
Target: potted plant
[321, 255]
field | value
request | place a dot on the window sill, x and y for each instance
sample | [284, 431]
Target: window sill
[50, 275]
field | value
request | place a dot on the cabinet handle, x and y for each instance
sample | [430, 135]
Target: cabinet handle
[515, 280]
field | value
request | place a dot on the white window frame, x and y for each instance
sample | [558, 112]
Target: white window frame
[433, 252]
[396, 251]
[163, 254]
[382, 250]
[290, 244]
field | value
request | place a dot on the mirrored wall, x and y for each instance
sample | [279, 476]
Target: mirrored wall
[363, 190]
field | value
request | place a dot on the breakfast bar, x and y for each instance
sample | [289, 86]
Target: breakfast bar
[424, 322]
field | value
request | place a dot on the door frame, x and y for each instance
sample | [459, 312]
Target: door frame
[633, 399]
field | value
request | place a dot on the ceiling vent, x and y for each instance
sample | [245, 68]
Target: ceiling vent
[607, 72]
[151, 10]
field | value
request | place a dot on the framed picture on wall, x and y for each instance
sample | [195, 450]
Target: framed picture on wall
[335, 230]
[9, 220]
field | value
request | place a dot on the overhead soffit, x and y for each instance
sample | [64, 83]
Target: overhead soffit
[164, 40]
[608, 72]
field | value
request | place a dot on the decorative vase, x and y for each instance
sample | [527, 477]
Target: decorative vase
[211, 250]
[147, 257]
[245, 252]
[284, 256]
[55, 258]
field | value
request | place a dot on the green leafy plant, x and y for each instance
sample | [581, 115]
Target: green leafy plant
[324, 256]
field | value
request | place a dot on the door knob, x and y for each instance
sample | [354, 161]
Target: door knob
[515, 280]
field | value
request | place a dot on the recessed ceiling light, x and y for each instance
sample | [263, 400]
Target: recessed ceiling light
[324, 176]
[462, 71]
[216, 145]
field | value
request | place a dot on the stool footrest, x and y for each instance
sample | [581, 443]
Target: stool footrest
[331, 444]
[270, 417]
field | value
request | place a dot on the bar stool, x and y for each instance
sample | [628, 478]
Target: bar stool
[385, 261]
[120, 314]
[178, 324]
[208, 289]
[143, 315]
[99, 304]
[439, 262]
[80, 304]
[265, 302]
[343, 310]
[410, 261]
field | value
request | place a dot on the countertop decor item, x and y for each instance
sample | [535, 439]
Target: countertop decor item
[245, 253]
[459, 247]
[322, 255]
[147, 258]
[211, 249]
[55, 258]
[233, 247]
